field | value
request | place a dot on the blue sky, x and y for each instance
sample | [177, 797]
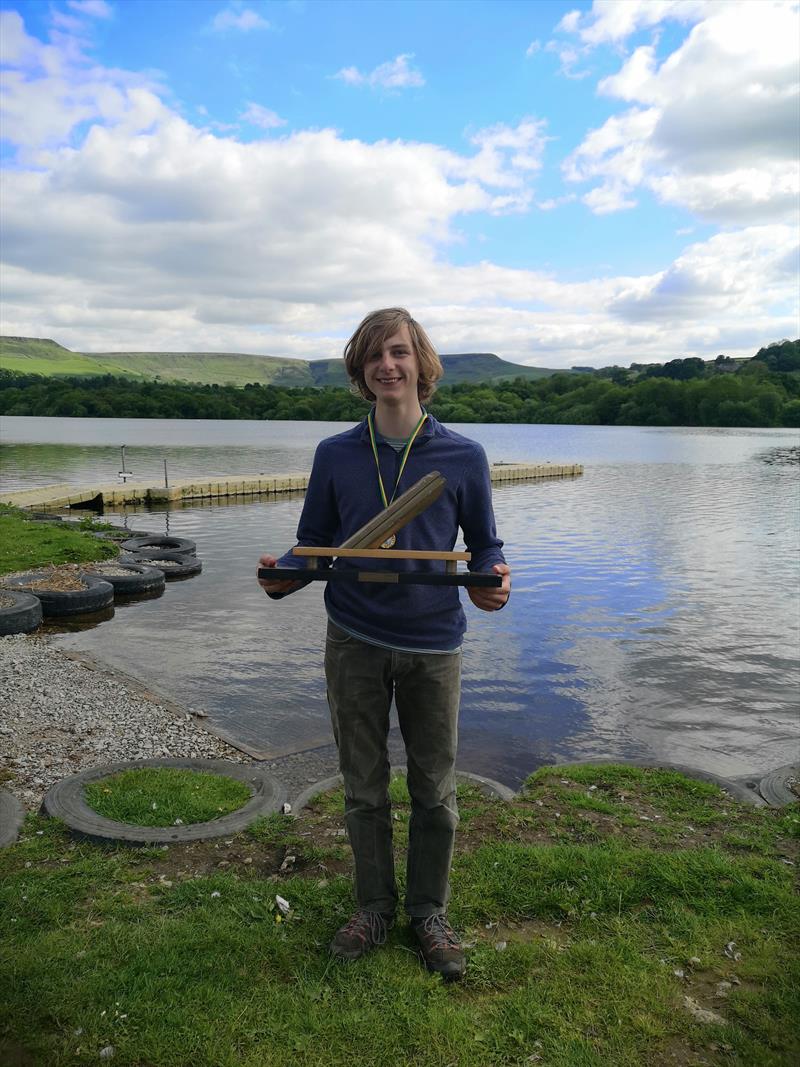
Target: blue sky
[558, 183]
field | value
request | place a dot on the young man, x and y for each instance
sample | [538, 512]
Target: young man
[404, 641]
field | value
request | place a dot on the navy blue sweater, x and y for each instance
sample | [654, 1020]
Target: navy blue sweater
[343, 495]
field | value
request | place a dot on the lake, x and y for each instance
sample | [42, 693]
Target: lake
[654, 611]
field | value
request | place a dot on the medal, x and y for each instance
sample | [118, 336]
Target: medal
[391, 540]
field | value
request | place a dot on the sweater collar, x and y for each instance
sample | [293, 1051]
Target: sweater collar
[429, 428]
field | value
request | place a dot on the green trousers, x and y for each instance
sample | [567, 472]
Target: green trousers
[361, 680]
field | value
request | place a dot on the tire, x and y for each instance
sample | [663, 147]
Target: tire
[153, 542]
[728, 785]
[118, 535]
[139, 579]
[66, 800]
[24, 615]
[12, 815]
[187, 565]
[776, 787]
[488, 786]
[59, 603]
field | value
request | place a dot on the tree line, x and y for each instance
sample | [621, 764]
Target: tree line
[762, 391]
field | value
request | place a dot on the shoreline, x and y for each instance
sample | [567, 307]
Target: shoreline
[66, 712]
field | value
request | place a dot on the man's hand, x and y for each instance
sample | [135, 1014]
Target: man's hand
[492, 599]
[284, 585]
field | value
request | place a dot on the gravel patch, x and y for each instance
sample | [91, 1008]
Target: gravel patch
[112, 569]
[61, 716]
[5, 600]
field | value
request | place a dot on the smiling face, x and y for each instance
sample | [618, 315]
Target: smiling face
[392, 328]
[391, 372]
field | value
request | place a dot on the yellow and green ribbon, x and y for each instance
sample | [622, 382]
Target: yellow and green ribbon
[406, 450]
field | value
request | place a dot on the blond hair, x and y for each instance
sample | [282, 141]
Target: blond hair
[370, 337]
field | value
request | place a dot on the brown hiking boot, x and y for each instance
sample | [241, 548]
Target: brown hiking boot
[440, 946]
[366, 930]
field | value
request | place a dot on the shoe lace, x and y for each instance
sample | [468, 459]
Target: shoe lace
[368, 924]
[440, 931]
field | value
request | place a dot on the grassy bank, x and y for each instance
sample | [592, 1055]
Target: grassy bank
[152, 796]
[613, 917]
[25, 543]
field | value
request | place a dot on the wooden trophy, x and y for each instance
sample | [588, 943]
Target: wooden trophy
[375, 540]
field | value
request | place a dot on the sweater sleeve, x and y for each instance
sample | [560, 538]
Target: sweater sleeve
[476, 514]
[319, 519]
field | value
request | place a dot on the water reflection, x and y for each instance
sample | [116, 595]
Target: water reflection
[76, 624]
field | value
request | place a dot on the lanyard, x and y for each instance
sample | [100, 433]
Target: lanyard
[406, 450]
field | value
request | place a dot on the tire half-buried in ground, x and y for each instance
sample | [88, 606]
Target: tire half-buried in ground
[158, 543]
[56, 603]
[776, 787]
[733, 789]
[177, 565]
[137, 577]
[20, 612]
[66, 801]
[486, 785]
[12, 815]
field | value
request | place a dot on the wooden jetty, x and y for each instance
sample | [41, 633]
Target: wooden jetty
[60, 497]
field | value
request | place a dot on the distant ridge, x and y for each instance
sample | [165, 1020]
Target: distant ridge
[38, 355]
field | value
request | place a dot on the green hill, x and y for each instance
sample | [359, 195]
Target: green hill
[38, 355]
[41, 356]
[459, 367]
[210, 368]
[487, 367]
[30, 355]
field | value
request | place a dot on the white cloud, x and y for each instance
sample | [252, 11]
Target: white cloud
[718, 277]
[17, 48]
[533, 48]
[507, 157]
[350, 75]
[280, 246]
[556, 201]
[97, 9]
[126, 226]
[395, 74]
[713, 127]
[611, 21]
[569, 23]
[569, 56]
[257, 115]
[48, 91]
[244, 20]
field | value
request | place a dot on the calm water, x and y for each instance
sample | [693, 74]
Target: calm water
[654, 612]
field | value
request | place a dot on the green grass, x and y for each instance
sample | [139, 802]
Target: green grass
[29, 355]
[208, 368]
[182, 956]
[25, 544]
[40, 356]
[75, 366]
[159, 796]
